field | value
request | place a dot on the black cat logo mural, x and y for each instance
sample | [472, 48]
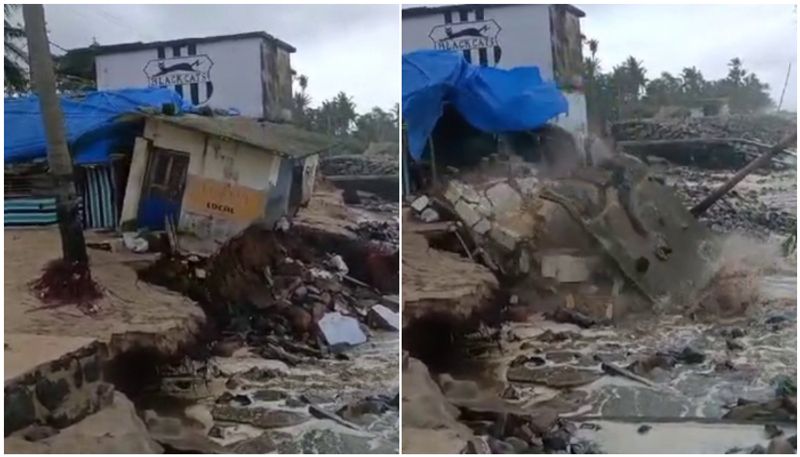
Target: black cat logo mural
[177, 67]
[469, 36]
[186, 71]
[472, 31]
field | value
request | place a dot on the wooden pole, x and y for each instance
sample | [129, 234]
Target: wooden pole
[785, 83]
[58, 157]
[760, 161]
[433, 163]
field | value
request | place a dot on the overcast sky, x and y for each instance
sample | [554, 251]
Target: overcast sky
[670, 37]
[351, 48]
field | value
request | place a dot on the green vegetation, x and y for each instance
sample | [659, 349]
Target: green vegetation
[626, 91]
[16, 78]
[338, 117]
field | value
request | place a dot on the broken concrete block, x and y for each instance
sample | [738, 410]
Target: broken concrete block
[505, 237]
[528, 186]
[338, 329]
[568, 268]
[467, 213]
[420, 204]
[200, 273]
[429, 215]
[504, 198]
[391, 301]
[482, 227]
[484, 207]
[456, 190]
[380, 316]
[452, 193]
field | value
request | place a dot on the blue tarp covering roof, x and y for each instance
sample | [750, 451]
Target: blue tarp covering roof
[90, 118]
[490, 99]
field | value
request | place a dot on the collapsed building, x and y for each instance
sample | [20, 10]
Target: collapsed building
[510, 220]
[243, 305]
[208, 176]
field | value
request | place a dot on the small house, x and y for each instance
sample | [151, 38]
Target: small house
[212, 176]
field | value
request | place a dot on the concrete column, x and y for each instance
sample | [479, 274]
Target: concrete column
[133, 189]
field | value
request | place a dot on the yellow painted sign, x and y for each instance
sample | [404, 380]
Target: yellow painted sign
[225, 200]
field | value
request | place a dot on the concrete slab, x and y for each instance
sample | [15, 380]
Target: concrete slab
[671, 261]
[24, 353]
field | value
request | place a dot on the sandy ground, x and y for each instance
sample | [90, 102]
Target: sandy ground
[128, 305]
[25, 352]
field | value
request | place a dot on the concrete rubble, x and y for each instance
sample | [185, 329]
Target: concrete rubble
[267, 343]
[763, 204]
[587, 298]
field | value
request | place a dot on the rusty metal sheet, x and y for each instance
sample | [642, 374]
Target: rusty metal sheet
[671, 262]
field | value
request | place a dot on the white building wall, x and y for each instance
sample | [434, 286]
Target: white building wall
[522, 33]
[225, 74]
[523, 36]
[576, 120]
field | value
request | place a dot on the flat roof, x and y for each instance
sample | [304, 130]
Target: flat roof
[283, 139]
[426, 10]
[138, 45]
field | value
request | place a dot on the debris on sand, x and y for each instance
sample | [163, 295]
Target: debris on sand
[63, 284]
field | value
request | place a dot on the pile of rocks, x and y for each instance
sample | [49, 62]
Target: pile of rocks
[762, 128]
[281, 294]
[760, 210]
[348, 165]
[721, 148]
[487, 423]
[384, 231]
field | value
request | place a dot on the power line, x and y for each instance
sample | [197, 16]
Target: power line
[58, 46]
[106, 17]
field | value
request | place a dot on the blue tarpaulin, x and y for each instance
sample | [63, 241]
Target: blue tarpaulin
[490, 99]
[90, 119]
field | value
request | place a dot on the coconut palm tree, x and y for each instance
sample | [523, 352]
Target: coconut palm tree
[344, 113]
[16, 77]
[693, 82]
[736, 73]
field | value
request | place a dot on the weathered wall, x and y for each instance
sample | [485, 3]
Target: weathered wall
[223, 74]
[565, 29]
[55, 381]
[228, 183]
[276, 74]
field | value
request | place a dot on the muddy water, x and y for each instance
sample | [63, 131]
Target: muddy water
[330, 384]
[674, 437]
[682, 395]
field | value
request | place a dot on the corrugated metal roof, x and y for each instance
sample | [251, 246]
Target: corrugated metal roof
[283, 139]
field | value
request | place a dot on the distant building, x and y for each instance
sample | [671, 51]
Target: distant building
[248, 72]
[508, 36]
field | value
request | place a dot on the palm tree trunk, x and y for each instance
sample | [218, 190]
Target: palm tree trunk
[58, 157]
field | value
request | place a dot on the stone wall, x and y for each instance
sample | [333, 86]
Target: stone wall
[58, 393]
